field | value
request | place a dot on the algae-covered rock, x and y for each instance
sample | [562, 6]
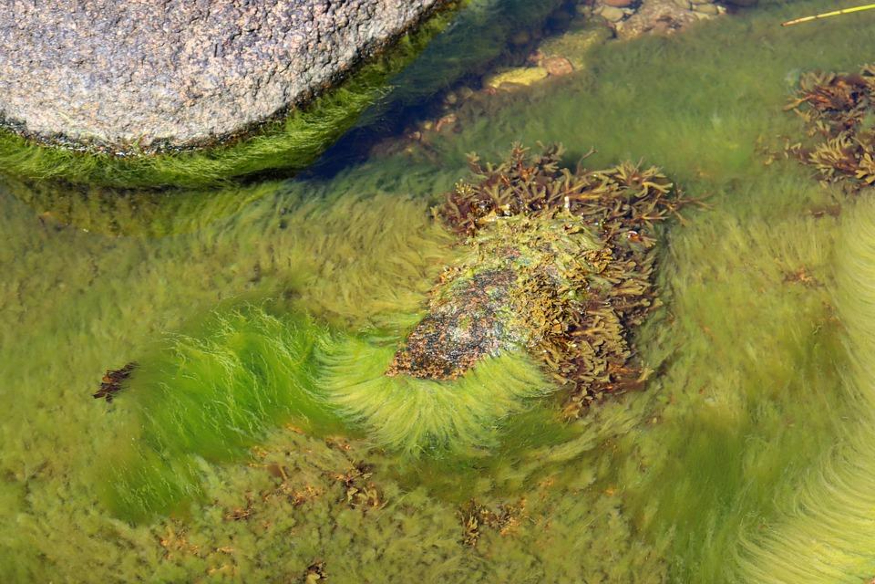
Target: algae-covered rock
[289, 140]
[575, 45]
[661, 17]
[520, 76]
[407, 72]
[140, 76]
[559, 264]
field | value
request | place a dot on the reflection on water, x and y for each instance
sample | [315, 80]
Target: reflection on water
[695, 479]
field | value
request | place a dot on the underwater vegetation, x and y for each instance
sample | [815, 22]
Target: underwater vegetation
[747, 459]
[562, 264]
[211, 394]
[830, 520]
[558, 264]
[214, 392]
[839, 114]
[133, 212]
[426, 417]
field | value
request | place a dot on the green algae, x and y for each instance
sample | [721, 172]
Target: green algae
[696, 479]
[425, 416]
[212, 394]
[132, 212]
[833, 505]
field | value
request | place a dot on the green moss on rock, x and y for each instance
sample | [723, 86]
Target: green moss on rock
[287, 144]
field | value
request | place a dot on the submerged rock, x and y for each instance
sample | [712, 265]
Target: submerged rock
[521, 76]
[665, 17]
[463, 325]
[150, 75]
[575, 45]
[612, 13]
[559, 264]
[557, 66]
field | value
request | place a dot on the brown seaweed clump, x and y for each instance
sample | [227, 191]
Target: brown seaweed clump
[475, 517]
[112, 381]
[559, 262]
[839, 112]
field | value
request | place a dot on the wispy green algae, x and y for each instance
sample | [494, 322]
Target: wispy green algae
[829, 519]
[134, 212]
[425, 416]
[211, 394]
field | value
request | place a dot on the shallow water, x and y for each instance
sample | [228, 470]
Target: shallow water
[745, 459]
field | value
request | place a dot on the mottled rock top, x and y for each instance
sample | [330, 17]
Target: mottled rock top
[150, 74]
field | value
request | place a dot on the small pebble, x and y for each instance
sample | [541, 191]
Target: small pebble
[520, 76]
[618, 3]
[612, 13]
[447, 120]
[558, 66]
[521, 38]
[709, 9]
[465, 92]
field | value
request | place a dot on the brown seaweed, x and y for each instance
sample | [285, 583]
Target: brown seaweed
[475, 517]
[560, 264]
[112, 381]
[839, 113]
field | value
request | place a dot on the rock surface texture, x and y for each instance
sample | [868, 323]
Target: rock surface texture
[147, 75]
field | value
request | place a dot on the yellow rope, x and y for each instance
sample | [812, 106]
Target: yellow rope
[828, 14]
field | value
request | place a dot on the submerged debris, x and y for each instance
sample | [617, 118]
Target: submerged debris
[315, 573]
[559, 263]
[359, 491]
[839, 111]
[111, 383]
[474, 517]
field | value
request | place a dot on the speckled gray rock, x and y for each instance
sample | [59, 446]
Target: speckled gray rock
[152, 74]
